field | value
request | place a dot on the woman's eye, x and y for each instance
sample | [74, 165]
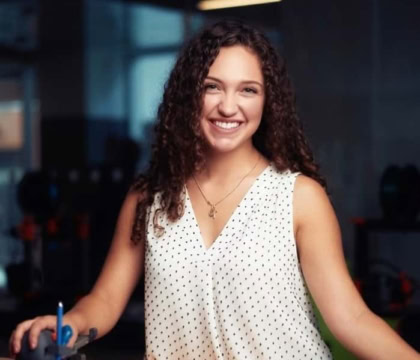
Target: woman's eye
[210, 87]
[250, 90]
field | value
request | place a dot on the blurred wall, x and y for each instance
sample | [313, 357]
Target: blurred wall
[354, 67]
[396, 92]
[61, 86]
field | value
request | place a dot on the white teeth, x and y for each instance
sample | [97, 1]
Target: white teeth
[227, 125]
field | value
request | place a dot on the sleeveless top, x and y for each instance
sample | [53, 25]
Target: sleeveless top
[244, 297]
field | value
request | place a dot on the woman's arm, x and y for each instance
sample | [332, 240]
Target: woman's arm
[103, 306]
[322, 260]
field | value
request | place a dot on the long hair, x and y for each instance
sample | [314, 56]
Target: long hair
[179, 147]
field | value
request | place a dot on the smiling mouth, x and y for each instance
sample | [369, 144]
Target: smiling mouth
[227, 124]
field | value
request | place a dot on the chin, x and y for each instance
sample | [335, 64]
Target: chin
[225, 148]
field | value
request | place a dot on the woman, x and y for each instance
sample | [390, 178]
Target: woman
[230, 221]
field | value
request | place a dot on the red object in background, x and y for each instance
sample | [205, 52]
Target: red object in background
[406, 284]
[27, 230]
[52, 226]
[358, 220]
[83, 226]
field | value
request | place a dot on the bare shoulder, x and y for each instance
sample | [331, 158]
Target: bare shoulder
[311, 204]
[134, 196]
[132, 199]
[306, 186]
[122, 238]
[308, 195]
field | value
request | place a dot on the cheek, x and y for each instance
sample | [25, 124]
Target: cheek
[255, 111]
[209, 104]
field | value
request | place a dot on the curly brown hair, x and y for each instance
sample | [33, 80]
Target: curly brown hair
[179, 147]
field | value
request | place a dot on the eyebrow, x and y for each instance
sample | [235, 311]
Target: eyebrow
[242, 82]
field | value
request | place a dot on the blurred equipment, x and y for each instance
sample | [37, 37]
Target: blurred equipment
[47, 349]
[386, 289]
[67, 226]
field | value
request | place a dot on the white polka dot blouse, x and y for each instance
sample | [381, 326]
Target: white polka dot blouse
[244, 297]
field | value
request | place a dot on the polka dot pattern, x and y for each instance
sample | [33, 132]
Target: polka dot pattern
[244, 297]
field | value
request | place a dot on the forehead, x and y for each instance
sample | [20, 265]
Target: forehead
[237, 62]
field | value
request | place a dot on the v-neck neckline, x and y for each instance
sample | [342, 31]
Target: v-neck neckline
[233, 215]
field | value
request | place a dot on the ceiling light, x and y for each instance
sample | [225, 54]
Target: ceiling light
[221, 4]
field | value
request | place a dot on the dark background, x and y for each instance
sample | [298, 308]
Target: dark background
[80, 74]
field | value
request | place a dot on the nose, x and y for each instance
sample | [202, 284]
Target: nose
[228, 105]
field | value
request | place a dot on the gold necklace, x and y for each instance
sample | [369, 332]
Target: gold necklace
[213, 211]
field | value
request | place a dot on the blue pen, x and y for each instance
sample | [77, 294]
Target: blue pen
[59, 325]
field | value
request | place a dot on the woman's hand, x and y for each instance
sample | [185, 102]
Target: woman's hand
[35, 326]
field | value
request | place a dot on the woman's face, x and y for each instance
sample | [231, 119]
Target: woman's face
[233, 99]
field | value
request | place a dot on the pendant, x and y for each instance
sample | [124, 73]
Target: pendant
[212, 212]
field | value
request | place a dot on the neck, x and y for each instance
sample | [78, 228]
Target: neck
[227, 167]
